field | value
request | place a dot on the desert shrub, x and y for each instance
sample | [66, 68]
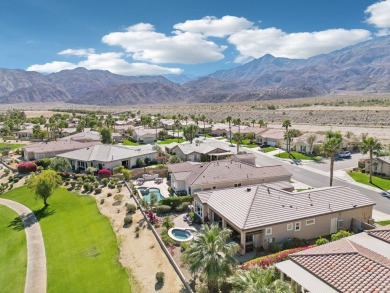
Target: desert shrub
[176, 201]
[274, 247]
[160, 277]
[7, 171]
[44, 163]
[293, 243]
[105, 181]
[340, 234]
[102, 201]
[114, 180]
[27, 167]
[98, 190]
[126, 174]
[111, 185]
[73, 184]
[104, 173]
[182, 207]
[96, 184]
[166, 239]
[167, 223]
[109, 194]
[91, 170]
[184, 245]
[170, 190]
[119, 186]
[118, 169]
[130, 208]
[11, 186]
[161, 166]
[321, 241]
[163, 209]
[118, 197]
[128, 220]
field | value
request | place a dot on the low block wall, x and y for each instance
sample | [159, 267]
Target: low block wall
[139, 172]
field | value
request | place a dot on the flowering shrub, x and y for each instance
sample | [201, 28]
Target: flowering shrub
[27, 167]
[271, 259]
[104, 173]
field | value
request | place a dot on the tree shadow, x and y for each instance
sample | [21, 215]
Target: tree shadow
[27, 220]
[158, 286]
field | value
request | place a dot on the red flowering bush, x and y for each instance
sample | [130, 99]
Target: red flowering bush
[266, 261]
[27, 167]
[104, 173]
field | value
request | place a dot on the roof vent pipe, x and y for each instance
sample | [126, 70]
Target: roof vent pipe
[248, 189]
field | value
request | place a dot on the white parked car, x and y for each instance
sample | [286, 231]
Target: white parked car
[345, 154]
[386, 193]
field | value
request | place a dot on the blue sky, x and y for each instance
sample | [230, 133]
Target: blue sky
[193, 37]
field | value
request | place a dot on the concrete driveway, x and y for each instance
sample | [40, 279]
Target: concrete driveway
[339, 164]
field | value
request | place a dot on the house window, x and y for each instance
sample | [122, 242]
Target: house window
[340, 223]
[289, 226]
[310, 222]
[199, 209]
[214, 187]
[268, 231]
[237, 185]
[297, 226]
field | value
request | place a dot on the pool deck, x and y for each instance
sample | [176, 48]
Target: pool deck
[163, 186]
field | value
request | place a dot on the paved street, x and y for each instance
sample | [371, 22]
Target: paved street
[341, 164]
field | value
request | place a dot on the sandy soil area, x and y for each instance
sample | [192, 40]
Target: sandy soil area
[141, 255]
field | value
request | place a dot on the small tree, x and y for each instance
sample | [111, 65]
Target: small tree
[118, 197]
[60, 165]
[118, 169]
[127, 174]
[167, 223]
[140, 162]
[106, 135]
[174, 159]
[341, 234]
[44, 184]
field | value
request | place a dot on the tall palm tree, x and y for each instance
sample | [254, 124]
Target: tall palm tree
[189, 132]
[203, 119]
[155, 125]
[329, 147]
[237, 122]
[370, 145]
[310, 140]
[253, 122]
[286, 124]
[288, 136]
[258, 280]
[238, 138]
[210, 254]
[229, 120]
[262, 123]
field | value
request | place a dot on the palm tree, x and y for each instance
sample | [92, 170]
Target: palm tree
[210, 254]
[329, 147]
[155, 124]
[258, 280]
[288, 136]
[237, 122]
[262, 123]
[253, 122]
[229, 120]
[286, 124]
[189, 132]
[203, 119]
[310, 140]
[370, 145]
[238, 138]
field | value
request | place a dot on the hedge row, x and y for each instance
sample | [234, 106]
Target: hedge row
[175, 201]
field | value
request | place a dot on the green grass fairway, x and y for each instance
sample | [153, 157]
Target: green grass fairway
[296, 156]
[170, 140]
[13, 253]
[376, 181]
[81, 247]
[13, 146]
[131, 143]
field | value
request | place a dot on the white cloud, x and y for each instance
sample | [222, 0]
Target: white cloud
[379, 16]
[111, 61]
[145, 44]
[254, 43]
[50, 67]
[212, 26]
[77, 52]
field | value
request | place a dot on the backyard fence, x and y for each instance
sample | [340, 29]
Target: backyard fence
[162, 245]
[139, 172]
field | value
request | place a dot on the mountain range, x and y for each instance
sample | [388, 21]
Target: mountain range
[364, 67]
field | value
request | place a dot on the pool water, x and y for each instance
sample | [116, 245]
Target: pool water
[181, 234]
[151, 190]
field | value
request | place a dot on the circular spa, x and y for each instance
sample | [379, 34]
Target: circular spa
[181, 234]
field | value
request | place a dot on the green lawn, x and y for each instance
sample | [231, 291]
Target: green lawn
[296, 156]
[81, 247]
[251, 146]
[13, 257]
[376, 181]
[131, 143]
[13, 146]
[268, 149]
[384, 223]
[170, 140]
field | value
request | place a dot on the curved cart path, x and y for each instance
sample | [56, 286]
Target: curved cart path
[36, 257]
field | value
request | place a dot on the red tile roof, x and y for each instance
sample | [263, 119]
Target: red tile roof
[382, 233]
[347, 266]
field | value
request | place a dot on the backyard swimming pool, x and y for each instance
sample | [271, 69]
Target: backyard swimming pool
[146, 192]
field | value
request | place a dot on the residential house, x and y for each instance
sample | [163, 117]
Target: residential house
[168, 124]
[85, 136]
[248, 158]
[358, 263]
[380, 165]
[198, 152]
[50, 149]
[192, 178]
[262, 214]
[25, 134]
[222, 129]
[272, 137]
[108, 156]
[145, 135]
[301, 145]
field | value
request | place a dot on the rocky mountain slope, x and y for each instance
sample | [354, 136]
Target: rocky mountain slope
[364, 67]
